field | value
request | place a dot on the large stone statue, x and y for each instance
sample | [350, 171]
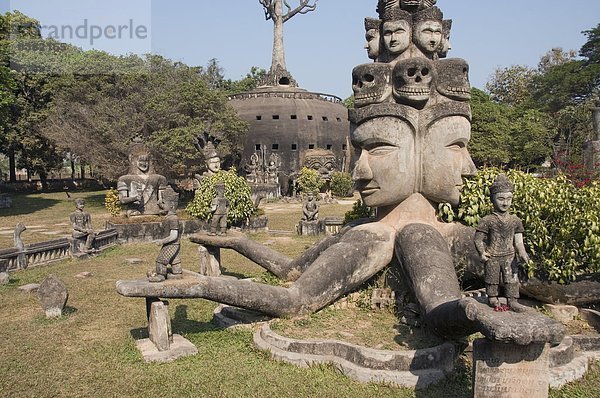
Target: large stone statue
[497, 237]
[140, 190]
[412, 149]
[169, 252]
[81, 221]
[321, 160]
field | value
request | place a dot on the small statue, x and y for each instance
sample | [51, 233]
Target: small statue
[82, 225]
[310, 208]
[496, 238]
[219, 208]
[140, 190]
[252, 169]
[169, 253]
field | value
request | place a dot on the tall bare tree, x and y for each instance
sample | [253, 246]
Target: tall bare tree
[274, 11]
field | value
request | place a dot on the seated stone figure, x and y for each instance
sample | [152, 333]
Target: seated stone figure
[310, 208]
[81, 221]
[141, 189]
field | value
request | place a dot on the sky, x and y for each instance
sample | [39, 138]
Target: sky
[321, 47]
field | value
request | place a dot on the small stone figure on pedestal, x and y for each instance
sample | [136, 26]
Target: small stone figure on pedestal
[82, 225]
[310, 208]
[219, 208]
[169, 253]
[497, 237]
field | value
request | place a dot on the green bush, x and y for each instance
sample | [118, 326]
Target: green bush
[237, 192]
[112, 202]
[309, 180]
[359, 210]
[562, 222]
[341, 184]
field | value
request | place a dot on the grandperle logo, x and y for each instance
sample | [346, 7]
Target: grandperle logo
[93, 33]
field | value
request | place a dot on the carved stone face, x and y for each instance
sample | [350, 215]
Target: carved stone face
[321, 160]
[143, 163]
[396, 36]
[384, 173]
[213, 164]
[502, 201]
[412, 80]
[446, 159]
[428, 36]
[371, 84]
[372, 45]
[453, 79]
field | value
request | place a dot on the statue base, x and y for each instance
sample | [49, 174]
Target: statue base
[310, 228]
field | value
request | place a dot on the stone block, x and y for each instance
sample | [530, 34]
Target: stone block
[210, 260]
[4, 278]
[592, 317]
[505, 370]
[29, 288]
[180, 347]
[159, 326]
[53, 296]
[562, 313]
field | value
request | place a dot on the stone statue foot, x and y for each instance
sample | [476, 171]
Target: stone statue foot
[154, 277]
[520, 328]
[515, 306]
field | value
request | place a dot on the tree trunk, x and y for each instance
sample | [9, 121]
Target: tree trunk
[72, 169]
[12, 167]
[278, 51]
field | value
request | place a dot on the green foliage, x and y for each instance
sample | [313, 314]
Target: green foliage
[112, 202]
[562, 222]
[359, 210]
[341, 184]
[309, 180]
[237, 192]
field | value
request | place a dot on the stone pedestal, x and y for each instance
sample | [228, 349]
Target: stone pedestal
[159, 325]
[53, 296]
[210, 260]
[310, 228]
[591, 156]
[505, 370]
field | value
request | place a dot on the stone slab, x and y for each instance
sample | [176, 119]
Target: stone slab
[592, 317]
[29, 288]
[53, 296]
[562, 313]
[504, 370]
[180, 347]
[159, 326]
[133, 261]
[83, 275]
[4, 278]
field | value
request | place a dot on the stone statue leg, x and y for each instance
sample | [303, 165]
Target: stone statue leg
[89, 242]
[427, 261]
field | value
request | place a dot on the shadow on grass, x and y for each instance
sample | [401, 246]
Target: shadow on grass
[27, 204]
[180, 324]
[95, 200]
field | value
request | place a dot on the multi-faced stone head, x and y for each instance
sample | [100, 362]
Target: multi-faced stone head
[428, 30]
[413, 81]
[372, 36]
[453, 79]
[397, 32]
[371, 83]
[445, 46]
[212, 158]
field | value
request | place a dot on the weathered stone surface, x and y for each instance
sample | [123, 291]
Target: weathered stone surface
[227, 317]
[417, 368]
[562, 313]
[509, 371]
[179, 347]
[311, 228]
[53, 296]
[592, 317]
[84, 275]
[4, 278]
[133, 261]
[210, 260]
[29, 288]
[581, 292]
[159, 326]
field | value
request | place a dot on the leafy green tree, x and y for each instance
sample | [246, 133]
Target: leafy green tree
[309, 180]
[237, 191]
[511, 86]
[341, 184]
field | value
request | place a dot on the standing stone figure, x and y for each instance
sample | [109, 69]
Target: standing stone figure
[140, 190]
[497, 237]
[310, 208]
[252, 169]
[169, 253]
[81, 222]
[219, 208]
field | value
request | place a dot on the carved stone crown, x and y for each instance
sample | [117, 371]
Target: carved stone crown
[138, 148]
[372, 23]
[396, 14]
[429, 14]
[210, 151]
[501, 184]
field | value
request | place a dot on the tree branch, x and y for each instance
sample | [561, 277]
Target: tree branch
[269, 7]
[303, 8]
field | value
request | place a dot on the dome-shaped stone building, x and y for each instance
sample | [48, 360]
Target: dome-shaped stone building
[290, 122]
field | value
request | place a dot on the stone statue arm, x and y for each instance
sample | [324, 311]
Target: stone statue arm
[125, 195]
[173, 235]
[480, 246]
[520, 247]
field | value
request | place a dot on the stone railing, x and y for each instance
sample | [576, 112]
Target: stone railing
[333, 225]
[47, 252]
[287, 94]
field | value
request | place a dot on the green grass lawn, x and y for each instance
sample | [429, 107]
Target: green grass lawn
[90, 351]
